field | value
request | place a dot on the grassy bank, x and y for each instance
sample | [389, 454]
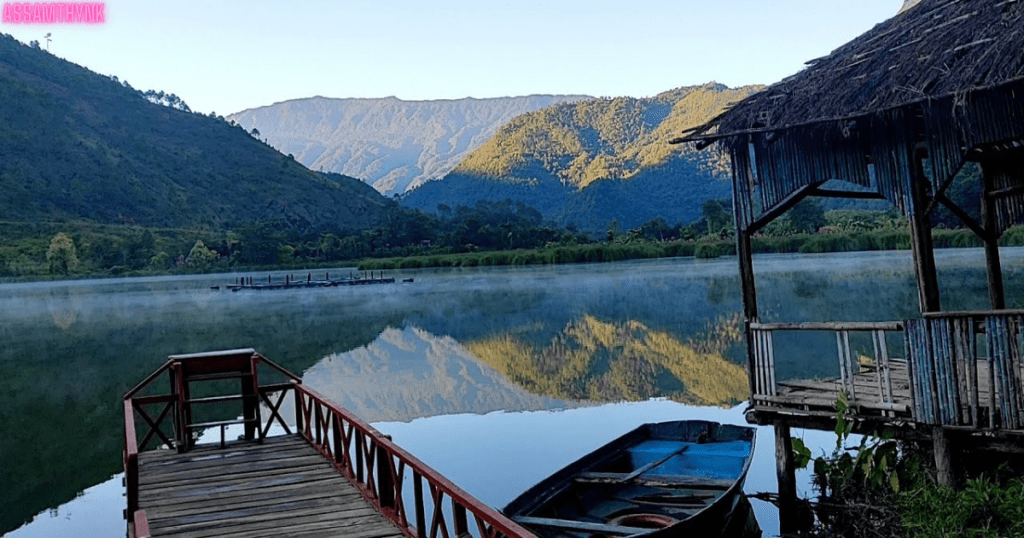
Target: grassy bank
[635, 250]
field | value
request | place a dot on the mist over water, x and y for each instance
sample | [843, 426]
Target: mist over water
[427, 356]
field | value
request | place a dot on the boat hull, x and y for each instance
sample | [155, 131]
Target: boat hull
[664, 479]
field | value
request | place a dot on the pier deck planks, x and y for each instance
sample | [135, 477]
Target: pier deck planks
[280, 488]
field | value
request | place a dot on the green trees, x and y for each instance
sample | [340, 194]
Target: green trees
[201, 257]
[61, 255]
[807, 216]
[715, 215]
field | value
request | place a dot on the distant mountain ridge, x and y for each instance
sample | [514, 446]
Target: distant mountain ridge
[589, 162]
[390, 143]
[76, 145]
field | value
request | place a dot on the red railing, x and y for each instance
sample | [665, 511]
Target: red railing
[380, 469]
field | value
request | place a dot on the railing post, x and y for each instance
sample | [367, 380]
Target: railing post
[421, 516]
[250, 401]
[299, 412]
[461, 523]
[131, 461]
[385, 480]
[184, 415]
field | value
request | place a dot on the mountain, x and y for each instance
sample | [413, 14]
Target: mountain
[391, 144]
[76, 145]
[591, 161]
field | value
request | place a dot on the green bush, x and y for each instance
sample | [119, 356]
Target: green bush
[983, 509]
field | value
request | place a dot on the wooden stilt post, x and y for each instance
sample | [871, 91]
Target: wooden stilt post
[944, 473]
[785, 472]
[921, 240]
[996, 296]
[742, 176]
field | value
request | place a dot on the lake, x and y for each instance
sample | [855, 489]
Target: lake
[476, 371]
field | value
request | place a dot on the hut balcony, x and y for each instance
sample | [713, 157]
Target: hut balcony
[957, 370]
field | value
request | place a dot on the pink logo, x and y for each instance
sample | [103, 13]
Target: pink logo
[53, 13]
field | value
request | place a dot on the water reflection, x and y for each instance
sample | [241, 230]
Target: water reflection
[616, 331]
[591, 359]
[409, 373]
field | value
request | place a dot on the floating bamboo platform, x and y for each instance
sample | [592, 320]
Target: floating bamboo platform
[290, 282]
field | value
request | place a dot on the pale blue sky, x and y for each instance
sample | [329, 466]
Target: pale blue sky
[229, 56]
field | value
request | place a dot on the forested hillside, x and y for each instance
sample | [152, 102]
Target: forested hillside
[589, 162]
[390, 143]
[79, 146]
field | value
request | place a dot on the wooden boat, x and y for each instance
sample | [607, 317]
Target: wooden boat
[681, 478]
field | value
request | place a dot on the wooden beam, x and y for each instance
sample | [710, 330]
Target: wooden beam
[993, 267]
[831, 326]
[921, 239]
[978, 230]
[941, 193]
[1003, 193]
[785, 205]
[857, 195]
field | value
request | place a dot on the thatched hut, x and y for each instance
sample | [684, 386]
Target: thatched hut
[894, 115]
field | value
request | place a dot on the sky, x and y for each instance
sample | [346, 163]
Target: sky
[224, 57]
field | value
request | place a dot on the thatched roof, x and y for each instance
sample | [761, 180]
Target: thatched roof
[934, 49]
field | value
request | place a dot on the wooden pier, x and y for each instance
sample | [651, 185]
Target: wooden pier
[329, 474]
[282, 487]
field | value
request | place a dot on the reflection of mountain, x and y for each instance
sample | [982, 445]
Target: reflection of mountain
[594, 360]
[409, 373]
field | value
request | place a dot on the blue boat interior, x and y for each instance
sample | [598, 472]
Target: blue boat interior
[712, 460]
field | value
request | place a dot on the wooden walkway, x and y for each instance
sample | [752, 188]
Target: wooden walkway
[283, 487]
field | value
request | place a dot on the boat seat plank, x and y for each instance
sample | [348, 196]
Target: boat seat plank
[580, 525]
[657, 481]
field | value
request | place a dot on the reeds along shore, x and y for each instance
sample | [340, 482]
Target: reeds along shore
[617, 251]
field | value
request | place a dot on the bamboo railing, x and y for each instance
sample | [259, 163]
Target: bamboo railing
[763, 364]
[965, 369]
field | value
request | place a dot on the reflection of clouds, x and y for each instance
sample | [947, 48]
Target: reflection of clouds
[410, 373]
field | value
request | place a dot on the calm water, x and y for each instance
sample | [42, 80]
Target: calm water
[475, 371]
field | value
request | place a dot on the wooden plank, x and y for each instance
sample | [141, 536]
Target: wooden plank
[322, 481]
[831, 326]
[283, 488]
[830, 403]
[372, 525]
[214, 449]
[659, 480]
[252, 500]
[277, 479]
[237, 470]
[298, 509]
[219, 460]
